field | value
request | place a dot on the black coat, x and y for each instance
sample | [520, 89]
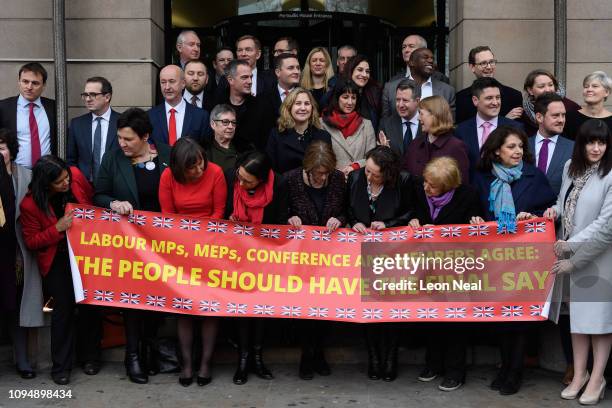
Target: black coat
[464, 205]
[510, 99]
[394, 206]
[300, 204]
[286, 150]
[272, 212]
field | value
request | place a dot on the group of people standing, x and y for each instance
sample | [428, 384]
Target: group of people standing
[310, 147]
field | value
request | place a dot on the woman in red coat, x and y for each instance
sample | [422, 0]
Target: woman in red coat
[44, 222]
[195, 187]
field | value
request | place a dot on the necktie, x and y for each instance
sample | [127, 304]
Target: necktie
[486, 129]
[172, 128]
[543, 156]
[407, 135]
[35, 139]
[194, 100]
[97, 148]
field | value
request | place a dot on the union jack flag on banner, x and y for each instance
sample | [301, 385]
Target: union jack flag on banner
[345, 313]
[216, 226]
[157, 301]
[372, 314]
[450, 232]
[399, 313]
[483, 311]
[270, 233]
[243, 230]
[321, 236]
[236, 308]
[454, 312]
[85, 293]
[478, 230]
[291, 311]
[84, 213]
[427, 313]
[535, 226]
[163, 222]
[130, 298]
[189, 225]
[108, 215]
[137, 219]
[347, 236]
[295, 233]
[535, 310]
[421, 233]
[398, 235]
[209, 305]
[374, 236]
[512, 311]
[266, 310]
[182, 303]
[317, 311]
[103, 295]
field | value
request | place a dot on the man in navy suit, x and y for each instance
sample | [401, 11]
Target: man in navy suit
[402, 127]
[287, 70]
[550, 148]
[30, 116]
[486, 97]
[93, 134]
[176, 118]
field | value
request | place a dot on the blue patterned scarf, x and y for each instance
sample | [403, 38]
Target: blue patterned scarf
[501, 202]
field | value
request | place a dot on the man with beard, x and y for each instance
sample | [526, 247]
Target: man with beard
[421, 66]
[175, 118]
[196, 79]
[287, 70]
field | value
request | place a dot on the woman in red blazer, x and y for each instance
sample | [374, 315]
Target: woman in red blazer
[44, 223]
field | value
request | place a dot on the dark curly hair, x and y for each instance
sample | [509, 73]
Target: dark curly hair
[389, 163]
[10, 138]
[495, 141]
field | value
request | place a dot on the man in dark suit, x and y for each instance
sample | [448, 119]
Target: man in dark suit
[401, 128]
[345, 53]
[550, 148]
[93, 134]
[410, 43]
[486, 98]
[176, 118]
[223, 57]
[287, 71]
[482, 64]
[196, 79]
[31, 116]
[254, 116]
[421, 65]
[188, 46]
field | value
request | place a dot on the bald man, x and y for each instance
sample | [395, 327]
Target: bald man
[174, 118]
[410, 43]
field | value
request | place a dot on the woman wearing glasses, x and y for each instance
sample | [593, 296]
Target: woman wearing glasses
[128, 180]
[315, 196]
[298, 126]
[254, 195]
[192, 186]
[222, 150]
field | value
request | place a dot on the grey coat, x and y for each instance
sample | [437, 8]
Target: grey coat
[591, 284]
[354, 148]
[30, 313]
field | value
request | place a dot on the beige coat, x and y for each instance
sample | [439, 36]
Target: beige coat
[354, 148]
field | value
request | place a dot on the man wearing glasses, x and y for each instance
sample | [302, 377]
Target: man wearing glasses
[92, 134]
[30, 116]
[482, 63]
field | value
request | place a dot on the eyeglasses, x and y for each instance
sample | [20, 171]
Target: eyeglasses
[484, 64]
[92, 95]
[225, 122]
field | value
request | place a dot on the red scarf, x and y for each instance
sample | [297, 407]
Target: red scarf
[347, 124]
[250, 207]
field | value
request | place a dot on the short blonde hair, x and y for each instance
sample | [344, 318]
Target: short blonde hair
[285, 120]
[443, 172]
[442, 116]
[307, 81]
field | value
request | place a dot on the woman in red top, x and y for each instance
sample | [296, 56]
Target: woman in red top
[196, 187]
[44, 224]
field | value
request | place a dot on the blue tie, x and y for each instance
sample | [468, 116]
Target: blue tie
[407, 135]
[97, 148]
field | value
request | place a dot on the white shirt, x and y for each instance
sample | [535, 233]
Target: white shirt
[551, 148]
[480, 128]
[414, 124]
[179, 116]
[408, 72]
[426, 87]
[187, 97]
[24, 156]
[281, 92]
[104, 128]
[254, 85]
